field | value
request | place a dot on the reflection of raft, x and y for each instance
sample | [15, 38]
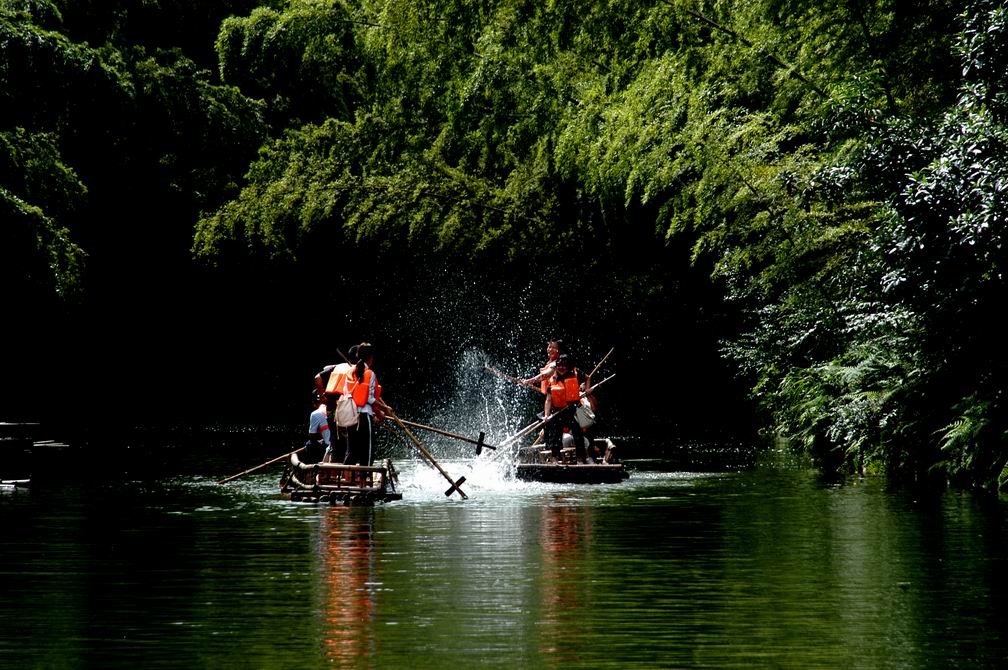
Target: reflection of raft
[14, 484]
[24, 458]
[339, 484]
[534, 465]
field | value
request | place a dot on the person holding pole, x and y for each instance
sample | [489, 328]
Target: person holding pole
[553, 350]
[563, 397]
[361, 384]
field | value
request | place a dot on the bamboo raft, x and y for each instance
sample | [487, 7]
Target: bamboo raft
[339, 484]
[534, 464]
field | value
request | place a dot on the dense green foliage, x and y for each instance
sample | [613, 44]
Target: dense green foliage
[836, 171]
[95, 131]
[112, 140]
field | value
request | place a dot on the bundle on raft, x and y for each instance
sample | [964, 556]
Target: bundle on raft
[339, 484]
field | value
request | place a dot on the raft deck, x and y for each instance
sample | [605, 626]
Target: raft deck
[339, 484]
[535, 464]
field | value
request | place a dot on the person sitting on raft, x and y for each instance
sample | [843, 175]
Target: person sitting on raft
[317, 446]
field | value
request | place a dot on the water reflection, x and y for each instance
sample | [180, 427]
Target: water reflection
[348, 584]
[564, 531]
[674, 570]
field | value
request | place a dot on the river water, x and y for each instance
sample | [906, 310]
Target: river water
[764, 567]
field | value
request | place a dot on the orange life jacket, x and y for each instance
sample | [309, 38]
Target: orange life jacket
[564, 391]
[337, 377]
[359, 389]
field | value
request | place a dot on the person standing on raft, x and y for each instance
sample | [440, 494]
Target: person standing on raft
[553, 350]
[361, 385]
[563, 397]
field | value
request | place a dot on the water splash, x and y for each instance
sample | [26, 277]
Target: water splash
[448, 333]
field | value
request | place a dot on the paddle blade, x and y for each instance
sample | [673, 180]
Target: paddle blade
[455, 487]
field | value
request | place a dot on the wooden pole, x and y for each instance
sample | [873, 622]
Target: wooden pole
[455, 485]
[601, 362]
[463, 438]
[261, 465]
[399, 437]
[508, 377]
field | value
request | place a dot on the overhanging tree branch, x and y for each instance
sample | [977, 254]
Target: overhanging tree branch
[792, 70]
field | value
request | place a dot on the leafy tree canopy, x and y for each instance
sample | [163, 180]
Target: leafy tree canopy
[835, 174]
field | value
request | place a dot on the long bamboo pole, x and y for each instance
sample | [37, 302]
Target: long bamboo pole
[455, 485]
[504, 375]
[261, 465]
[601, 362]
[463, 438]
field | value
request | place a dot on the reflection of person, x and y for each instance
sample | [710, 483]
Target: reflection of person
[564, 396]
[565, 533]
[349, 555]
[317, 444]
[361, 384]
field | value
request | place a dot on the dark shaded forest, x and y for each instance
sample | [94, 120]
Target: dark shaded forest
[786, 217]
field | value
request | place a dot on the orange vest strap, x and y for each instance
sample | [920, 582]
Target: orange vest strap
[359, 389]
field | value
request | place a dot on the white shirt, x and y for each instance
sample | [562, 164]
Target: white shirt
[317, 423]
